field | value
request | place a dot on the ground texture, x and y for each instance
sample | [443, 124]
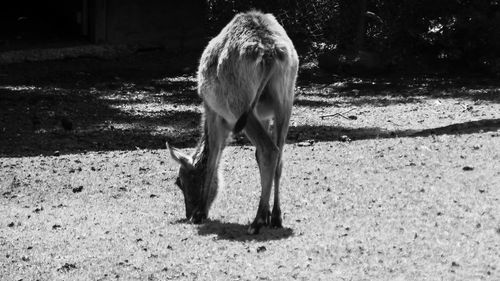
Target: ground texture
[384, 179]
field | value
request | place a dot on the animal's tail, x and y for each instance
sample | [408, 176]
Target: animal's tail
[268, 58]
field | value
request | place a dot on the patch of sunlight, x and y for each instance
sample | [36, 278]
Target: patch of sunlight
[190, 78]
[483, 91]
[29, 89]
[316, 90]
[436, 28]
[153, 129]
[127, 96]
[152, 108]
[19, 88]
[127, 126]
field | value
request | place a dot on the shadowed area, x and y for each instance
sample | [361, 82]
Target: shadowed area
[92, 105]
[395, 90]
[238, 232]
[333, 133]
[144, 100]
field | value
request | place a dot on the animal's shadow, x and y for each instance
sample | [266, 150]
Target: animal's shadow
[238, 232]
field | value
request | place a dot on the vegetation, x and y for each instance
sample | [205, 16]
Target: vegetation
[413, 35]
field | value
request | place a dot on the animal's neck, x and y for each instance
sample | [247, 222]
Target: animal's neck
[200, 157]
[206, 161]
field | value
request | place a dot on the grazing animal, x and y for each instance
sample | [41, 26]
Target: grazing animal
[246, 79]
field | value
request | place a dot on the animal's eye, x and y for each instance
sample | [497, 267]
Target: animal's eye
[178, 182]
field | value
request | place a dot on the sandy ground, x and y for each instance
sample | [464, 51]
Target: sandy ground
[401, 183]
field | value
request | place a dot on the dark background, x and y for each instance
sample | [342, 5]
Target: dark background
[359, 36]
[423, 35]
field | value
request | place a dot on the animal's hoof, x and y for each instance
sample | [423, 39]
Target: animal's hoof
[198, 218]
[258, 223]
[253, 229]
[276, 222]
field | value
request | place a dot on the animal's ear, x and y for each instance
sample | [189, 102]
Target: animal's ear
[180, 157]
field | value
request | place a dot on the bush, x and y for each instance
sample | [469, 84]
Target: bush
[431, 34]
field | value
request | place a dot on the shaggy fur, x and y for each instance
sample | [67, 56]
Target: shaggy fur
[246, 77]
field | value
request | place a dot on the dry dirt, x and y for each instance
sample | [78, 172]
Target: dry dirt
[401, 182]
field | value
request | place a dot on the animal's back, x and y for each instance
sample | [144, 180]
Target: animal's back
[236, 62]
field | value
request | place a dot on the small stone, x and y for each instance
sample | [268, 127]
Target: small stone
[67, 267]
[344, 138]
[306, 143]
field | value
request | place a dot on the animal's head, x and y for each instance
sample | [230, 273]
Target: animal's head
[189, 180]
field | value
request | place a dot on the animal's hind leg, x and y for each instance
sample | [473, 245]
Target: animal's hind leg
[266, 125]
[267, 154]
[279, 133]
[283, 111]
